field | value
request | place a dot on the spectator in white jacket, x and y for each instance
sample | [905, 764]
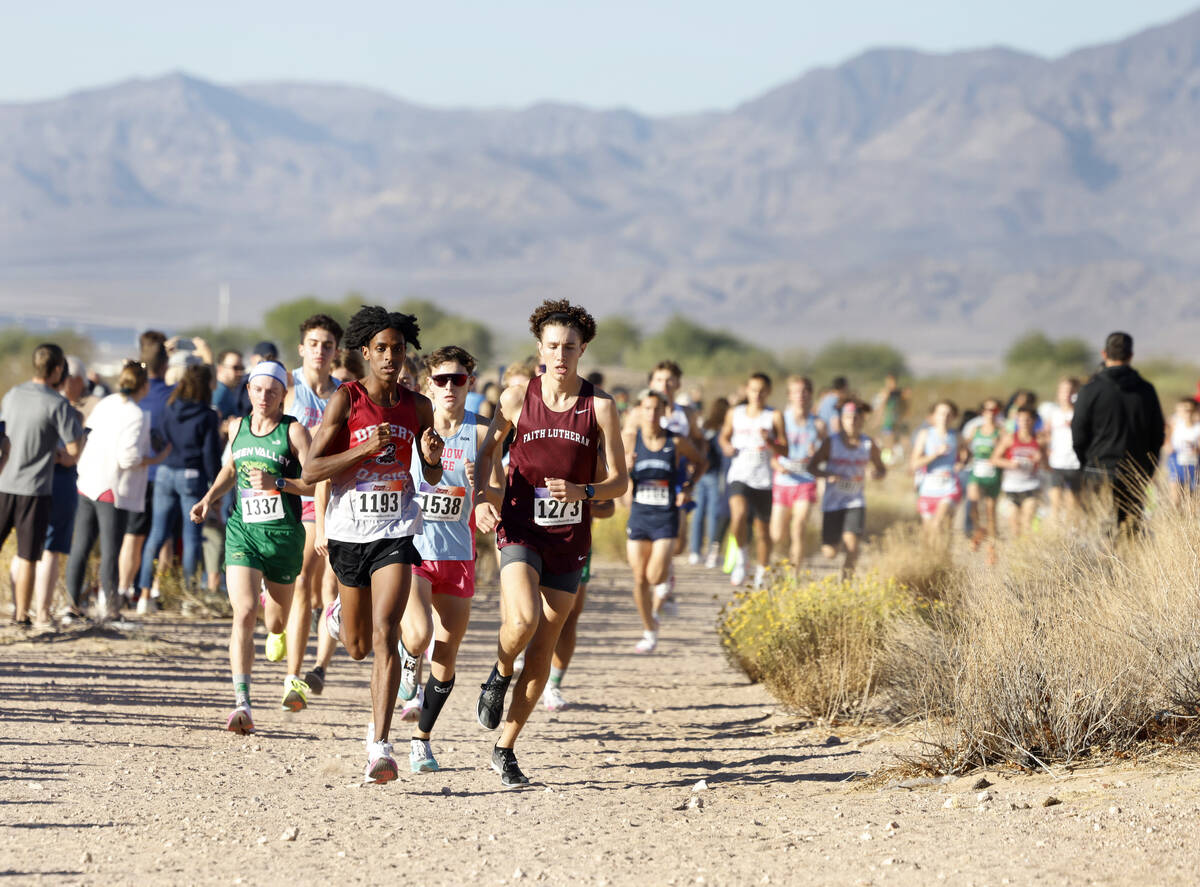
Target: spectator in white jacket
[112, 484]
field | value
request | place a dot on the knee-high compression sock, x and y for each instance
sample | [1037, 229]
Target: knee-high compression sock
[436, 694]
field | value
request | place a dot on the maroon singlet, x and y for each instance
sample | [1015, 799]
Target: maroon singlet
[550, 444]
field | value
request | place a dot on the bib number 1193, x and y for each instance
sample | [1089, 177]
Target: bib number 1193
[549, 512]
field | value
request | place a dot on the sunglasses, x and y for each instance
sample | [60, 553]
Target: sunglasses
[441, 380]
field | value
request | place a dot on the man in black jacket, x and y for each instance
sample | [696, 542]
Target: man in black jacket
[1118, 428]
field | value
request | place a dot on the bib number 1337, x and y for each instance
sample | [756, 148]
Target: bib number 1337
[548, 512]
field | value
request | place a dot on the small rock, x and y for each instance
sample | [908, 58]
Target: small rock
[547, 790]
[838, 815]
[980, 784]
[1113, 811]
[86, 858]
[695, 803]
[446, 790]
[833, 740]
[1149, 829]
[951, 803]
[893, 825]
[700, 786]
[290, 834]
[865, 836]
[983, 797]
[1051, 801]
[518, 874]
[891, 860]
[262, 839]
[649, 711]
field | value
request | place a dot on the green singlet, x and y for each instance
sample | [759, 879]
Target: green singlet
[984, 474]
[264, 531]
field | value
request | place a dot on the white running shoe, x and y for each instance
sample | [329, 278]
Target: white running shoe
[710, 562]
[738, 576]
[553, 699]
[760, 573]
[381, 766]
[648, 642]
[693, 558]
[411, 710]
[333, 620]
[420, 757]
[147, 605]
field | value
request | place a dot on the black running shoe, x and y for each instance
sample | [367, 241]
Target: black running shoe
[504, 762]
[315, 680]
[491, 700]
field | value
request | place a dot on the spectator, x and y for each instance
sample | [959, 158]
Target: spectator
[231, 374]
[113, 473]
[154, 358]
[190, 427]
[829, 406]
[36, 418]
[1118, 429]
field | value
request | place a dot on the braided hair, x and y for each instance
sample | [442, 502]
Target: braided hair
[370, 320]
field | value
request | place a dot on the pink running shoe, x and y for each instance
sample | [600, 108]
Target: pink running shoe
[239, 722]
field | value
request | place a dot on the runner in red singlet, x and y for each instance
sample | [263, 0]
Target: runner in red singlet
[364, 445]
[544, 523]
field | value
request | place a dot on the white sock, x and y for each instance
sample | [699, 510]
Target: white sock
[744, 555]
[288, 680]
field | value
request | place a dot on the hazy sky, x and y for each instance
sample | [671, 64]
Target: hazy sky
[652, 56]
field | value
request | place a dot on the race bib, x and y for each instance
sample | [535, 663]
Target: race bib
[653, 492]
[261, 506]
[1186, 455]
[794, 466]
[379, 500]
[983, 469]
[940, 483]
[851, 486]
[442, 503]
[549, 512]
[1024, 464]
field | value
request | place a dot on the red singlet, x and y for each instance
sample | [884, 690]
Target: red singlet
[550, 444]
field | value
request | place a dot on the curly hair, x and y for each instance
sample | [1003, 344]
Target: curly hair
[324, 322]
[370, 320]
[562, 313]
[450, 354]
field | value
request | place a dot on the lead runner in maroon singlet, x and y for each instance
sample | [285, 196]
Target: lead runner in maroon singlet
[544, 528]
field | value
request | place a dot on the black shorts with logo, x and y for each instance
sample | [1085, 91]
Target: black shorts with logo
[355, 562]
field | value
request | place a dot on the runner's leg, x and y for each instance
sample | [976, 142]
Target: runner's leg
[638, 551]
[390, 587]
[556, 607]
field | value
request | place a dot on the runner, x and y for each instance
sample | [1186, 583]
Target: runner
[1183, 440]
[795, 489]
[935, 455]
[752, 435]
[889, 403]
[312, 386]
[1021, 455]
[264, 542]
[1066, 477]
[709, 494]
[842, 459]
[543, 525]
[444, 583]
[983, 484]
[654, 455]
[364, 445]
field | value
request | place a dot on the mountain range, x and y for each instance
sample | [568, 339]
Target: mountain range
[943, 202]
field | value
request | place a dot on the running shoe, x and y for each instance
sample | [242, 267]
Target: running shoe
[381, 766]
[295, 698]
[648, 642]
[316, 681]
[693, 558]
[760, 573]
[276, 646]
[408, 673]
[420, 757]
[504, 762]
[491, 700]
[147, 605]
[411, 710]
[738, 576]
[240, 722]
[710, 562]
[333, 619]
[553, 699]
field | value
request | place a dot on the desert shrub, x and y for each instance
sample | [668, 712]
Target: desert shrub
[608, 535]
[814, 643]
[920, 563]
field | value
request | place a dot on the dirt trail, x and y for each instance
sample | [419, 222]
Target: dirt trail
[114, 770]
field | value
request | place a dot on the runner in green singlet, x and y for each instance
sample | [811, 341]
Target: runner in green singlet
[983, 485]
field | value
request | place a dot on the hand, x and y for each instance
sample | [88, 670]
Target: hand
[564, 490]
[682, 498]
[171, 344]
[486, 518]
[260, 480]
[378, 440]
[431, 447]
[321, 543]
[470, 469]
[199, 511]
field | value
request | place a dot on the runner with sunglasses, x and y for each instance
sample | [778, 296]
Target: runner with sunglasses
[544, 528]
[365, 446]
[444, 583]
[264, 541]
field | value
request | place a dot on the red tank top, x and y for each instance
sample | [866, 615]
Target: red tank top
[375, 498]
[550, 444]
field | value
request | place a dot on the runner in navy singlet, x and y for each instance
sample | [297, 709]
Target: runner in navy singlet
[544, 525]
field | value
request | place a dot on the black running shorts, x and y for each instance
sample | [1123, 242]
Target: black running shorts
[355, 562]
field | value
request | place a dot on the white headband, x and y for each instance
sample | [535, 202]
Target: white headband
[268, 368]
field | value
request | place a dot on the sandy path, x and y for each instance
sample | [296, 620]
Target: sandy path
[113, 770]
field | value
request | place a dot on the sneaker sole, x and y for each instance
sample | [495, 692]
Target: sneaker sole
[240, 724]
[429, 766]
[383, 770]
[524, 784]
[315, 687]
[293, 704]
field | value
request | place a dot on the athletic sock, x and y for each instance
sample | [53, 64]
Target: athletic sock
[287, 682]
[436, 694]
[556, 675]
[241, 690]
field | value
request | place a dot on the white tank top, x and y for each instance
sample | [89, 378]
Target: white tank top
[848, 467]
[1062, 447]
[939, 479]
[751, 463]
[1185, 441]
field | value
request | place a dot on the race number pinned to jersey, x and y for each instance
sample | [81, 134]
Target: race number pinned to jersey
[550, 512]
[442, 503]
[380, 500]
[656, 493]
[983, 469]
[850, 486]
[261, 506]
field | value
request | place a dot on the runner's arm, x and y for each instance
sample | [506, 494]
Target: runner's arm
[320, 503]
[1002, 447]
[816, 463]
[778, 444]
[725, 440]
[301, 442]
[508, 410]
[696, 458]
[321, 467]
[880, 470]
[429, 442]
[616, 480]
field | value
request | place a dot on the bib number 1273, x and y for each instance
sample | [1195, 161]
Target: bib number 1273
[549, 512]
